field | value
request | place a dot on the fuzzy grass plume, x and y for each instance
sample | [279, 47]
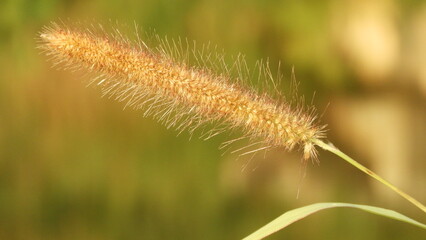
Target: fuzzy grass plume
[178, 94]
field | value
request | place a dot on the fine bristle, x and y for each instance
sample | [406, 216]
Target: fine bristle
[177, 94]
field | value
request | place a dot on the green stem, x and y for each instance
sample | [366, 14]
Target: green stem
[333, 149]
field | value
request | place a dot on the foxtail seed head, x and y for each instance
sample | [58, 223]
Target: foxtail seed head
[178, 94]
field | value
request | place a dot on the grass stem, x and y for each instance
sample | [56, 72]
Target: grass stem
[329, 147]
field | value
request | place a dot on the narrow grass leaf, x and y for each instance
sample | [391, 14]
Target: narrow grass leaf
[300, 213]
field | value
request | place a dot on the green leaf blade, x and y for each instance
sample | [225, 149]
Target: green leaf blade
[299, 213]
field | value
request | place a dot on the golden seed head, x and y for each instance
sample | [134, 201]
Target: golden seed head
[178, 94]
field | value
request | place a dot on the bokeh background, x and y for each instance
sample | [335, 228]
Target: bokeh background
[77, 166]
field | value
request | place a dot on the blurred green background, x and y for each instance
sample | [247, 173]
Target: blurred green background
[77, 166]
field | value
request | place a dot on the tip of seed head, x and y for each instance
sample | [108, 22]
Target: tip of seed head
[45, 36]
